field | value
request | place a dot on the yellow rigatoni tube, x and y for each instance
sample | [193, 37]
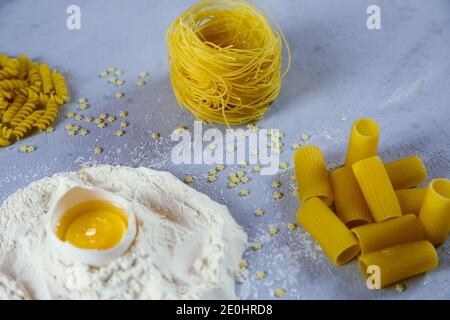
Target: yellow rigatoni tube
[435, 211]
[400, 262]
[381, 235]
[377, 189]
[336, 240]
[406, 173]
[312, 175]
[363, 143]
[351, 207]
[411, 200]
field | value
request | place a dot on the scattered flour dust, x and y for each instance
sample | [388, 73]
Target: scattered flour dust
[187, 247]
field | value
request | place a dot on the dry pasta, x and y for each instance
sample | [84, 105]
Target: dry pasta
[351, 207]
[411, 200]
[435, 211]
[400, 262]
[30, 95]
[312, 176]
[381, 235]
[406, 173]
[363, 142]
[377, 189]
[225, 61]
[333, 236]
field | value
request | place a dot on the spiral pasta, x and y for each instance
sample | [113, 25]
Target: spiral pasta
[225, 61]
[30, 96]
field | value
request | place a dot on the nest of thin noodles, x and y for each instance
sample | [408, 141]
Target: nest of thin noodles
[226, 61]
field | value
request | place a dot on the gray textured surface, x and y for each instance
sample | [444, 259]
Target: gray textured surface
[341, 71]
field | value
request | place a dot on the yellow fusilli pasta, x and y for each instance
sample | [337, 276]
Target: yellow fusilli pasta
[30, 95]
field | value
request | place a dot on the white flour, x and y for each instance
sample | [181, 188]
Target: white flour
[187, 247]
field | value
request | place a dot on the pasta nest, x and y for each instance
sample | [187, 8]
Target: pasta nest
[226, 61]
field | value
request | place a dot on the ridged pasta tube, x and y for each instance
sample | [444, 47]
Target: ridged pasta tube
[363, 142]
[381, 235]
[351, 207]
[312, 175]
[406, 173]
[336, 240]
[377, 189]
[435, 212]
[411, 200]
[400, 262]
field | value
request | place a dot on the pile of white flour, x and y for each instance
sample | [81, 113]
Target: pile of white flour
[187, 246]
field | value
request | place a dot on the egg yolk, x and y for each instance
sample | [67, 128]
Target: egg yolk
[95, 225]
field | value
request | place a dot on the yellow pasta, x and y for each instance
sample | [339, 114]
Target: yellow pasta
[312, 176]
[400, 262]
[406, 173]
[381, 235]
[351, 207]
[377, 189]
[363, 142]
[30, 95]
[411, 200]
[435, 212]
[333, 236]
[226, 61]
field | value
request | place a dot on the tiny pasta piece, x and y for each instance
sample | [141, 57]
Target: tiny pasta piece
[312, 175]
[336, 240]
[79, 117]
[381, 235]
[212, 178]
[120, 133]
[84, 132]
[124, 124]
[103, 74]
[155, 135]
[119, 95]
[257, 246]
[89, 119]
[123, 114]
[243, 265]
[278, 195]
[273, 231]
[259, 212]
[84, 106]
[292, 226]
[279, 292]
[188, 180]
[377, 189]
[363, 143]
[143, 74]
[102, 125]
[244, 192]
[284, 165]
[411, 200]
[260, 275]
[103, 116]
[406, 173]
[435, 211]
[351, 207]
[120, 83]
[400, 262]
[111, 119]
[140, 83]
[98, 150]
[276, 184]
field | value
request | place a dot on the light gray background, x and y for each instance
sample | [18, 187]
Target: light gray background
[341, 71]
